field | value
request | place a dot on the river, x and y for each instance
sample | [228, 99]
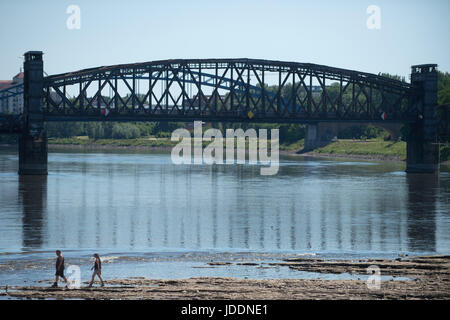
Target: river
[149, 217]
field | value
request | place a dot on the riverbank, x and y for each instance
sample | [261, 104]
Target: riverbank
[367, 150]
[344, 156]
[373, 149]
[429, 279]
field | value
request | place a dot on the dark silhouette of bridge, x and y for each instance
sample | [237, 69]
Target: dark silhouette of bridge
[228, 90]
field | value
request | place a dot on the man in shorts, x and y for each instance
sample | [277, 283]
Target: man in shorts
[59, 269]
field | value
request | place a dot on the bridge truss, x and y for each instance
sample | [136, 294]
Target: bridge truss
[237, 90]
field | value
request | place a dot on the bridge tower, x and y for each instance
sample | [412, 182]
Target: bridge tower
[422, 144]
[33, 141]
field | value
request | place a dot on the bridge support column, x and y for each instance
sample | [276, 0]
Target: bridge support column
[33, 154]
[422, 157]
[319, 135]
[422, 152]
[33, 141]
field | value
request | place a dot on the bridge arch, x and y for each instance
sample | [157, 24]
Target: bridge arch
[228, 90]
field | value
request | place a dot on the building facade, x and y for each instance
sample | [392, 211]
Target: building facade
[11, 95]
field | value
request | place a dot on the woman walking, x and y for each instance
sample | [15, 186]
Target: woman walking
[97, 270]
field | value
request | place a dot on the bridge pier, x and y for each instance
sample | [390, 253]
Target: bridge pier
[33, 141]
[319, 135]
[33, 154]
[422, 157]
[422, 152]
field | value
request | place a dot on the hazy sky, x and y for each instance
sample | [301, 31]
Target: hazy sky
[317, 31]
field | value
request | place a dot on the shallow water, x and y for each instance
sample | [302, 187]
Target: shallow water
[180, 217]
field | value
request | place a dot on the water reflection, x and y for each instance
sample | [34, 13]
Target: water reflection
[32, 196]
[142, 202]
[422, 198]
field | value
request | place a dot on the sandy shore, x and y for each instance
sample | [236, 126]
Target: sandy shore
[430, 279]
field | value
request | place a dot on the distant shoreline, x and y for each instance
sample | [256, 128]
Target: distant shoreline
[102, 147]
[166, 148]
[296, 153]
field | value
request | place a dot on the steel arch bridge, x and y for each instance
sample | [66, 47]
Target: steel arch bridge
[228, 90]
[236, 90]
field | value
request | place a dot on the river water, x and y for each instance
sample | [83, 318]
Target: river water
[149, 217]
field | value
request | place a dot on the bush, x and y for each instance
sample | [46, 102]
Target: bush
[95, 130]
[358, 132]
[125, 131]
[291, 133]
[163, 134]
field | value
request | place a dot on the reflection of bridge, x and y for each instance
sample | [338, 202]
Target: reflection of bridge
[234, 90]
[408, 211]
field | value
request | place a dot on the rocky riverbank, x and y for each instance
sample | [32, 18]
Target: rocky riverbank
[429, 278]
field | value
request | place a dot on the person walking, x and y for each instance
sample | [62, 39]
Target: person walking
[59, 269]
[97, 270]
